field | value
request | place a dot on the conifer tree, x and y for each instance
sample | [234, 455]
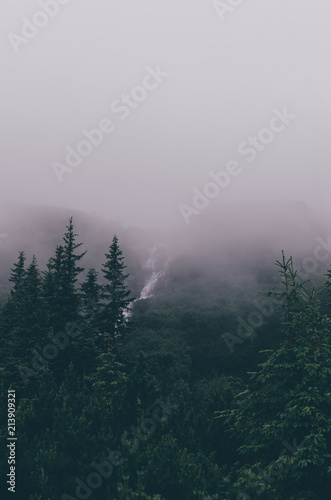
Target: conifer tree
[283, 422]
[140, 392]
[86, 347]
[70, 272]
[33, 306]
[91, 293]
[60, 281]
[31, 329]
[52, 286]
[10, 310]
[70, 259]
[17, 274]
[114, 294]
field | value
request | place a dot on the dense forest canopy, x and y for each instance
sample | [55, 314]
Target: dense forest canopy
[165, 250]
[192, 386]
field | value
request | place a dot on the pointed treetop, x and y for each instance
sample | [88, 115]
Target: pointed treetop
[18, 272]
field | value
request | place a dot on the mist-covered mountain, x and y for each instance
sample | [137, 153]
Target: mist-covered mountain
[232, 245]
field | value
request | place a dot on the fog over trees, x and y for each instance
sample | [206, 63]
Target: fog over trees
[165, 250]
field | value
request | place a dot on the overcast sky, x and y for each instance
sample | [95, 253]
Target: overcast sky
[221, 81]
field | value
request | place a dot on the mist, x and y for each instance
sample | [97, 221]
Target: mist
[165, 249]
[222, 77]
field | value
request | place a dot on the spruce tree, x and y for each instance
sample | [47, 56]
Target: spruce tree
[52, 286]
[31, 329]
[91, 294]
[87, 346]
[60, 281]
[70, 259]
[33, 305]
[11, 309]
[70, 272]
[282, 423]
[10, 319]
[17, 274]
[114, 294]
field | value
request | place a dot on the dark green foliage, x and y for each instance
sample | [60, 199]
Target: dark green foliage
[17, 274]
[91, 291]
[60, 280]
[29, 329]
[115, 295]
[143, 399]
[289, 400]
[53, 287]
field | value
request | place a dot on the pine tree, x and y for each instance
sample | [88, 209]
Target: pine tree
[114, 294]
[31, 330]
[52, 286]
[70, 259]
[64, 298]
[91, 294]
[10, 316]
[60, 281]
[70, 272]
[283, 422]
[17, 274]
[140, 392]
[10, 310]
[33, 305]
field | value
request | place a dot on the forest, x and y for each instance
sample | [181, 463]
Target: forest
[201, 390]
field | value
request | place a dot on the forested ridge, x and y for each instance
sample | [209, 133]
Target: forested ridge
[199, 392]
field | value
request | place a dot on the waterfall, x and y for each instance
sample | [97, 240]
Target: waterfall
[156, 259]
[154, 262]
[147, 291]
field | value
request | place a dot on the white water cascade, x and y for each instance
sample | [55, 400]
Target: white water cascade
[155, 261]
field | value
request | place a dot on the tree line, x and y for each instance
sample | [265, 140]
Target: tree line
[112, 408]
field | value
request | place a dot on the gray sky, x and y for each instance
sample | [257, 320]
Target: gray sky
[225, 78]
